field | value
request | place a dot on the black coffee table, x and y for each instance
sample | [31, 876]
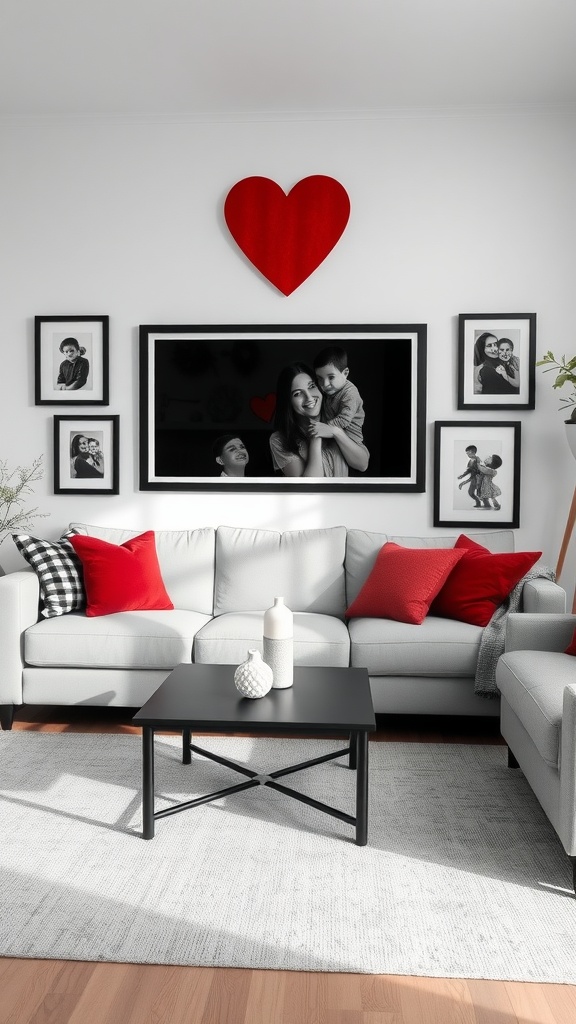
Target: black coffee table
[322, 701]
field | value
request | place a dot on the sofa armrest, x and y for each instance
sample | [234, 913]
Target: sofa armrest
[540, 595]
[530, 632]
[567, 819]
[19, 595]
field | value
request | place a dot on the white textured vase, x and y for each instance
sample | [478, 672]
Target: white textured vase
[253, 678]
[278, 642]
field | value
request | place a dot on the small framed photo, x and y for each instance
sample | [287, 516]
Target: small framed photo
[86, 454]
[496, 360]
[71, 360]
[477, 473]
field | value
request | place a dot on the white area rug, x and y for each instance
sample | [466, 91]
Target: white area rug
[463, 876]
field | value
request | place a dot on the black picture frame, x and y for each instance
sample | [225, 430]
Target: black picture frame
[51, 369]
[198, 382]
[101, 474]
[456, 498]
[509, 380]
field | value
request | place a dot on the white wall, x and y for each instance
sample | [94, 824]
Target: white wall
[449, 214]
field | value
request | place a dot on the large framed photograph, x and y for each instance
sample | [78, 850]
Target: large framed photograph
[71, 360]
[86, 454]
[283, 408]
[477, 473]
[496, 360]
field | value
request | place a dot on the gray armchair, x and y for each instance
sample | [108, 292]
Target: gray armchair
[537, 682]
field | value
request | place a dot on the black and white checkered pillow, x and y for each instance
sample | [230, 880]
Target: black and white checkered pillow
[59, 572]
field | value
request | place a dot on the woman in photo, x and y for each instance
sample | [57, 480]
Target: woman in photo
[81, 463]
[490, 378]
[301, 444]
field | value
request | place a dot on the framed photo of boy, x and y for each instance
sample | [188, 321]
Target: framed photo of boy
[86, 454]
[283, 408]
[496, 360]
[477, 473]
[71, 360]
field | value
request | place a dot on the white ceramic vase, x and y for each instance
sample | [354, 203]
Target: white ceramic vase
[253, 678]
[278, 643]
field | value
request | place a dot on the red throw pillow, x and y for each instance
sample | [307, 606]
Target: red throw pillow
[121, 577]
[403, 582]
[480, 582]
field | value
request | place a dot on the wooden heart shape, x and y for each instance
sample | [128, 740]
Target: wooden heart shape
[287, 237]
[264, 408]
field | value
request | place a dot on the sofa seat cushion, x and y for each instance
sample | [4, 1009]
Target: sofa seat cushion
[318, 639]
[436, 647]
[532, 682]
[148, 640]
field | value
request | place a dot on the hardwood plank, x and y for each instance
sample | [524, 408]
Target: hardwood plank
[491, 1002]
[529, 1003]
[265, 996]
[227, 997]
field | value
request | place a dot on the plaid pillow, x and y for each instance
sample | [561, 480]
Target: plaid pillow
[59, 572]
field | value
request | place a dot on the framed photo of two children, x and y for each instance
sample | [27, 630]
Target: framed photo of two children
[496, 360]
[477, 473]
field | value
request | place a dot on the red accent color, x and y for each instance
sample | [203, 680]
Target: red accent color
[403, 582]
[287, 237]
[121, 578]
[264, 408]
[480, 582]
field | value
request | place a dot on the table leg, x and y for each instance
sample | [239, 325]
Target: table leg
[353, 757]
[362, 789]
[186, 741]
[147, 782]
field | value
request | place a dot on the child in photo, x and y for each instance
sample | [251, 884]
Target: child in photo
[96, 457]
[74, 368]
[471, 474]
[342, 405]
[231, 453]
[488, 491]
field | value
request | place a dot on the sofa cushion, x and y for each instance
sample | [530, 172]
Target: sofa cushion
[403, 582]
[121, 577]
[59, 571]
[147, 640]
[305, 567]
[480, 582]
[186, 559]
[318, 639]
[362, 547]
[532, 682]
[437, 647]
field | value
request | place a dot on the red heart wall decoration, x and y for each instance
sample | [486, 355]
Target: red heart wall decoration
[287, 237]
[264, 408]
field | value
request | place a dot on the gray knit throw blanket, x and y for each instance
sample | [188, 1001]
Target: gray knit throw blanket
[494, 634]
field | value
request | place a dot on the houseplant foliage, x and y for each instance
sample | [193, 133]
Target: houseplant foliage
[16, 486]
[565, 374]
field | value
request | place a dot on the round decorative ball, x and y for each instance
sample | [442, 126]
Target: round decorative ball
[253, 678]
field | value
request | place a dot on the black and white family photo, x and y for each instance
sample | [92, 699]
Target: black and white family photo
[496, 360]
[71, 360]
[477, 473]
[271, 407]
[86, 454]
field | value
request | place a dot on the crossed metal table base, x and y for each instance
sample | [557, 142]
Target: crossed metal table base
[357, 754]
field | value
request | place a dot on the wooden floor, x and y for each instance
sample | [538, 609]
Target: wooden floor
[70, 992]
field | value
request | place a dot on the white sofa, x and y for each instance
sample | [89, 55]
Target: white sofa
[220, 581]
[537, 681]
